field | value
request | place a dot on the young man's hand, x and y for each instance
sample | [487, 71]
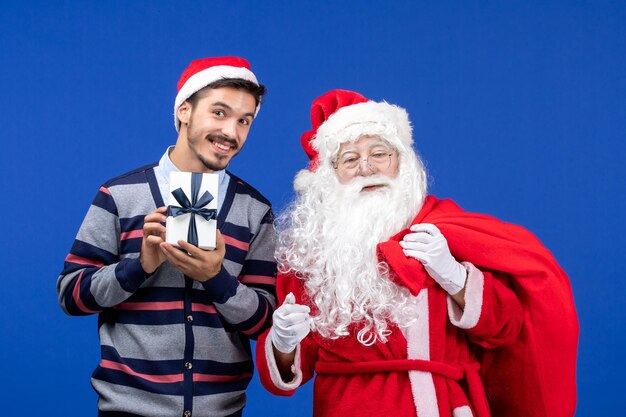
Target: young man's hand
[198, 264]
[152, 256]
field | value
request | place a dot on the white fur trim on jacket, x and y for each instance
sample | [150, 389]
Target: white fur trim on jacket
[418, 347]
[275, 373]
[468, 318]
[205, 77]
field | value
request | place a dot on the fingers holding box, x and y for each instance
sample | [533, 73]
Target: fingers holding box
[151, 257]
[198, 264]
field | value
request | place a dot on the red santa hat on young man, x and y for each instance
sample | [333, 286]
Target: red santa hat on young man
[340, 116]
[203, 72]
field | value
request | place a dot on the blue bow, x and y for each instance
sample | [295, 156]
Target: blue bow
[195, 207]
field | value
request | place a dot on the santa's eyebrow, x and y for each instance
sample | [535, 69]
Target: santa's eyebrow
[380, 143]
[348, 150]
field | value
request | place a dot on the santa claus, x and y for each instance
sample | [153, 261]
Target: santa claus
[404, 305]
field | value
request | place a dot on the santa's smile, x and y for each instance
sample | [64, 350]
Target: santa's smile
[373, 187]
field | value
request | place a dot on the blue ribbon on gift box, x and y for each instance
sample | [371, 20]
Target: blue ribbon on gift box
[195, 207]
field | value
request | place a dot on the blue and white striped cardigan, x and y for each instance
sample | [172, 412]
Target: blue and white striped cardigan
[170, 346]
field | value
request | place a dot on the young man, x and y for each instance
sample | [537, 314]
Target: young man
[402, 304]
[175, 325]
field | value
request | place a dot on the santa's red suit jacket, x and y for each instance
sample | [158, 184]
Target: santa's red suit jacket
[510, 353]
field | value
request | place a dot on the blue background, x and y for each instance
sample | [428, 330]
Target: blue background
[519, 109]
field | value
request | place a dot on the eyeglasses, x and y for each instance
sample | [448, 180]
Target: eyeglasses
[376, 161]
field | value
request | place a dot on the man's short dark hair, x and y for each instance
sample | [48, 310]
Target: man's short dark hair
[257, 91]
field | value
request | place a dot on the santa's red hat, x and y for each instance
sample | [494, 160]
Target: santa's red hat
[203, 72]
[341, 116]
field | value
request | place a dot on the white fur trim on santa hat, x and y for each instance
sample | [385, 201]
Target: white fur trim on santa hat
[370, 118]
[303, 180]
[205, 77]
[382, 119]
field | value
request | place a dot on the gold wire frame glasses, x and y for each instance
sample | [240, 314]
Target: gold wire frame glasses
[376, 161]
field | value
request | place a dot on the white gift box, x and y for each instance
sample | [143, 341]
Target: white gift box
[177, 228]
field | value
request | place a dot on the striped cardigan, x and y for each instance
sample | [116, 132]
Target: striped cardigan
[170, 346]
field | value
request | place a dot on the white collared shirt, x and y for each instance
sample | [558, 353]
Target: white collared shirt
[162, 172]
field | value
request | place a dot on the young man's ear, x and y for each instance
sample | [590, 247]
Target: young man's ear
[184, 112]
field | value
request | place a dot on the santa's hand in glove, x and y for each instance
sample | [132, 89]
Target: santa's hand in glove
[292, 322]
[430, 247]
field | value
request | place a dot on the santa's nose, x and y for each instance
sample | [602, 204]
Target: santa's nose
[365, 170]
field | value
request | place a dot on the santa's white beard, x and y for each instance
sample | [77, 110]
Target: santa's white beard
[330, 242]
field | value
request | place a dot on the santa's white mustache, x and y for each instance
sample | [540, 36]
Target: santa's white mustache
[359, 183]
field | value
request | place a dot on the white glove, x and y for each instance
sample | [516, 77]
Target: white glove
[292, 323]
[430, 247]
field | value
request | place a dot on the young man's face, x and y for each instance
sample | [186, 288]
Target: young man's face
[218, 125]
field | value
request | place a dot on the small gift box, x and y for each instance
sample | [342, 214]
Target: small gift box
[192, 209]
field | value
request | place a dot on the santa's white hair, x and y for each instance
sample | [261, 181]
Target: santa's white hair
[328, 235]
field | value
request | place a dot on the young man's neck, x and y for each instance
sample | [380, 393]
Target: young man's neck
[183, 158]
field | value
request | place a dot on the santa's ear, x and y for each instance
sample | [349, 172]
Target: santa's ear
[183, 112]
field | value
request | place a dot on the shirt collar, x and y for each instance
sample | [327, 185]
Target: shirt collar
[168, 166]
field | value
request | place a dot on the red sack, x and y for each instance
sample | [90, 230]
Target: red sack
[536, 376]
